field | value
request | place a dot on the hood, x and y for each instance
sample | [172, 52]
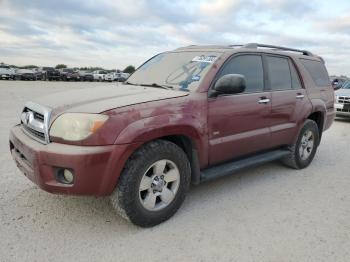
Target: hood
[342, 92]
[103, 98]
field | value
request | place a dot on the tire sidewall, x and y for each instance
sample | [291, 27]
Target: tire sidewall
[312, 126]
[131, 201]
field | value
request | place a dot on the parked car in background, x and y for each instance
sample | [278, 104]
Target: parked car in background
[113, 76]
[121, 77]
[187, 116]
[342, 100]
[39, 74]
[109, 77]
[69, 74]
[338, 82]
[25, 74]
[50, 73]
[86, 75]
[6, 72]
[99, 75]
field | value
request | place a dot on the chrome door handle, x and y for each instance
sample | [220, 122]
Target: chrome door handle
[300, 96]
[264, 101]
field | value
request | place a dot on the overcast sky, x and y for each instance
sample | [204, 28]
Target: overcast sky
[116, 33]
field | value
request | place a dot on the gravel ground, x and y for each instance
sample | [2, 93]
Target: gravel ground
[270, 213]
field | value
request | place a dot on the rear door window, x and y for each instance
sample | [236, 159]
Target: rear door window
[251, 67]
[279, 73]
[317, 71]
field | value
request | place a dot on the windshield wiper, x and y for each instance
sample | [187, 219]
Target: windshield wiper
[150, 85]
[157, 86]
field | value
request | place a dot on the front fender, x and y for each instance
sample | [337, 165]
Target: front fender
[151, 128]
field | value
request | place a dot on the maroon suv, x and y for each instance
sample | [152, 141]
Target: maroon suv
[185, 116]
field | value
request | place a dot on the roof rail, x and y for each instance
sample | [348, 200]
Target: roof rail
[256, 46]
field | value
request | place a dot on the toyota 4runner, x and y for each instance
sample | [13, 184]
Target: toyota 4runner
[185, 116]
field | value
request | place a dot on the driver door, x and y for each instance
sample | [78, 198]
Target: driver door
[239, 124]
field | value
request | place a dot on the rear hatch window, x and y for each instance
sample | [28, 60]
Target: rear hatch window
[317, 71]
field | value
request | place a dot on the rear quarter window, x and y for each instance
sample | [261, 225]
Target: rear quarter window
[317, 71]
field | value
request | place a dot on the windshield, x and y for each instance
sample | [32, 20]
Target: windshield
[346, 85]
[179, 70]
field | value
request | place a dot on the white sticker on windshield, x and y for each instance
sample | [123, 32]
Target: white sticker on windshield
[204, 58]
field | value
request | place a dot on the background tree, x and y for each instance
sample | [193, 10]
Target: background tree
[129, 69]
[29, 67]
[60, 66]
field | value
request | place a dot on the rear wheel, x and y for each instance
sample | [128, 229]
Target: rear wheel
[303, 151]
[153, 184]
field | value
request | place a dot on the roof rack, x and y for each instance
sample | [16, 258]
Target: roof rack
[256, 46]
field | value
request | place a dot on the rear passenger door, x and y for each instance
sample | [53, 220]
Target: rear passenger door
[288, 98]
[239, 124]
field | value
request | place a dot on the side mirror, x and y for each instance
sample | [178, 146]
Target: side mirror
[336, 87]
[230, 84]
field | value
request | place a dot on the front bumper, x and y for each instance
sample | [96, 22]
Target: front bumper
[96, 168]
[342, 110]
[87, 77]
[54, 76]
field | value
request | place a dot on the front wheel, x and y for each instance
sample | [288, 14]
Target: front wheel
[303, 151]
[153, 184]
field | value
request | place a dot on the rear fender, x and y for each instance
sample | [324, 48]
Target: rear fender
[318, 105]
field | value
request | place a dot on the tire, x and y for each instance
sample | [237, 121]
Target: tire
[131, 202]
[301, 155]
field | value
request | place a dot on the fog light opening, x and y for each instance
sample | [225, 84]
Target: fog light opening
[65, 176]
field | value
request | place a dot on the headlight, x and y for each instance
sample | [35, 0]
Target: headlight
[76, 126]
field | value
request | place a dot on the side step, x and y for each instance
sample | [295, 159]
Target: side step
[237, 165]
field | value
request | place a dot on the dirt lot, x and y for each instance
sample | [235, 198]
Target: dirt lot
[270, 213]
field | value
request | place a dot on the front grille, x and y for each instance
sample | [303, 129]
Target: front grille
[343, 110]
[344, 100]
[35, 120]
[39, 116]
[35, 133]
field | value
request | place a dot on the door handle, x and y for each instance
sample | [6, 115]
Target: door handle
[300, 96]
[264, 100]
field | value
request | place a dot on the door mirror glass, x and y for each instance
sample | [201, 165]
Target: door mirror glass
[230, 84]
